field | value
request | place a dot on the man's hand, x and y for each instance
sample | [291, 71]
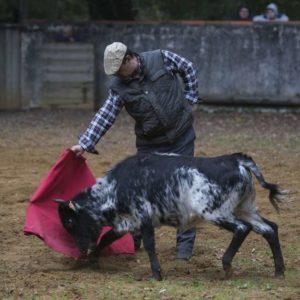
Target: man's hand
[78, 150]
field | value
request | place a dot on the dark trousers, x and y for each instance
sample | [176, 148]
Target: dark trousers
[185, 145]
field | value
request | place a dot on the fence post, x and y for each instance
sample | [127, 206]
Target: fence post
[10, 67]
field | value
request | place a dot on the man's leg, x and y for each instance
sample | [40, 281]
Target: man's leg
[185, 243]
[184, 146]
[185, 239]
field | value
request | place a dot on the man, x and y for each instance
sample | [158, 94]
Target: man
[147, 84]
[271, 14]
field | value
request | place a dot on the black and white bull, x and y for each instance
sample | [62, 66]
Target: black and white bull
[146, 191]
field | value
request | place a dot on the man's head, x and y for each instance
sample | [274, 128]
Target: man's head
[119, 60]
[244, 12]
[271, 11]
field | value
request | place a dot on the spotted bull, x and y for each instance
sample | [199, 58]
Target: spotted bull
[145, 191]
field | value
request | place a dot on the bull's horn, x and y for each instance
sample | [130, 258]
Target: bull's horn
[59, 201]
[69, 204]
[72, 206]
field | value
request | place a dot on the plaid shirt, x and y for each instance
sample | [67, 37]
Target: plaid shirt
[107, 114]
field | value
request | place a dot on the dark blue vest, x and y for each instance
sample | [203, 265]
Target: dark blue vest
[156, 102]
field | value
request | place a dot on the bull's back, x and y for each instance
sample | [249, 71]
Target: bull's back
[186, 188]
[169, 178]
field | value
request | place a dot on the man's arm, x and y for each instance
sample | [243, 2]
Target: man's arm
[101, 122]
[187, 72]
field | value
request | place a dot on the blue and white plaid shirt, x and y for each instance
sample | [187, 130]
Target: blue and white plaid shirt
[107, 114]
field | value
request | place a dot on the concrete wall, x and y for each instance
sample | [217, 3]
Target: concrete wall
[9, 67]
[31, 68]
[237, 62]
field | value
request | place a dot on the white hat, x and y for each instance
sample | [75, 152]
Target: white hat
[273, 7]
[113, 57]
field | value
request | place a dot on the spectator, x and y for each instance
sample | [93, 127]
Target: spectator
[67, 35]
[271, 14]
[243, 14]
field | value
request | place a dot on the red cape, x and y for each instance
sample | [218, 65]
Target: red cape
[67, 177]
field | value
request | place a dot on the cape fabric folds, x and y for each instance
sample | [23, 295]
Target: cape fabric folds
[69, 175]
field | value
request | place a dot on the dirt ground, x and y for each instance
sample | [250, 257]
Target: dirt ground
[31, 141]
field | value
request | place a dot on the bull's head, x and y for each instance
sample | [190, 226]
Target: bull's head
[80, 225]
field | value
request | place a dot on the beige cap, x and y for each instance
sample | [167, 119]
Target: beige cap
[113, 57]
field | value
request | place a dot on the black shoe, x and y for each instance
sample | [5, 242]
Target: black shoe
[184, 256]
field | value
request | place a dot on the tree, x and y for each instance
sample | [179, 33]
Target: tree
[110, 9]
[83, 10]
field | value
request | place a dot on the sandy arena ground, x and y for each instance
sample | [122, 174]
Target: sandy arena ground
[31, 141]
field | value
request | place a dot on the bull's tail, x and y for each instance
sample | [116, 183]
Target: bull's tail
[276, 195]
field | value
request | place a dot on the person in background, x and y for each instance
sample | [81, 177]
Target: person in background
[66, 35]
[243, 14]
[271, 14]
[149, 86]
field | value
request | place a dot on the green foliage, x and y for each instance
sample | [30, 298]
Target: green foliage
[8, 11]
[83, 10]
[111, 9]
[207, 9]
[58, 9]
[46, 10]
[183, 10]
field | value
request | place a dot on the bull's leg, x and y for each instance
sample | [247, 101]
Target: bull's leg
[273, 240]
[137, 239]
[147, 232]
[240, 231]
[108, 238]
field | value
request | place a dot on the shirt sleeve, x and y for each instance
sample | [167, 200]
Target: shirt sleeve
[187, 72]
[101, 122]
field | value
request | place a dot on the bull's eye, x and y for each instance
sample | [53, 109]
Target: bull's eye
[70, 223]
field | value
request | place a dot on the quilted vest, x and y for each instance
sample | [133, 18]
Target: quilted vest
[155, 101]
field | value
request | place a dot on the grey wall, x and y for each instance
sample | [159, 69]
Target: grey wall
[9, 67]
[251, 63]
[237, 63]
[31, 68]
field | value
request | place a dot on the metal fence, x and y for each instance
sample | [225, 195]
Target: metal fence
[67, 75]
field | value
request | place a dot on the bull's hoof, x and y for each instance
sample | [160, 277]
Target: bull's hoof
[228, 270]
[93, 259]
[157, 276]
[279, 274]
